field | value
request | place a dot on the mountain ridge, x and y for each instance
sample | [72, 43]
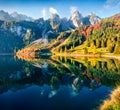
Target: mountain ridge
[22, 27]
[76, 17]
[101, 38]
[14, 16]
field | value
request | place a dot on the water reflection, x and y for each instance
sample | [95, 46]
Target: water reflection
[57, 72]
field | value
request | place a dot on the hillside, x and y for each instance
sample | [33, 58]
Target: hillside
[101, 38]
[9, 42]
[16, 34]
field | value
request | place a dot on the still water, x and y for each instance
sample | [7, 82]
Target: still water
[56, 83]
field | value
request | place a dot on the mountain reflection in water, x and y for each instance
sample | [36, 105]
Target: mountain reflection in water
[58, 79]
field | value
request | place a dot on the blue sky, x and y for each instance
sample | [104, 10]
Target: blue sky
[43, 8]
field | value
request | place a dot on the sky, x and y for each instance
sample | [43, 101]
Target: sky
[43, 8]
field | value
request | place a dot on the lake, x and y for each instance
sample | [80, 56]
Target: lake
[56, 83]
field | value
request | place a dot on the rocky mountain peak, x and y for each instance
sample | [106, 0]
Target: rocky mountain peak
[93, 18]
[77, 14]
[14, 14]
[5, 15]
[20, 17]
[76, 18]
[54, 20]
[54, 16]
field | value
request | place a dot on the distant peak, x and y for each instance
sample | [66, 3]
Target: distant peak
[14, 12]
[18, 16]
[76, 18]
[76, 12]
[2, 11]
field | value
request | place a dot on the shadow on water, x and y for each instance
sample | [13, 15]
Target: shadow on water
[62, 82]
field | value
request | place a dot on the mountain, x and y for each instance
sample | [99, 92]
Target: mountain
[100, 38]
[76, 18]
[27, 30]
[13, 16]
[60, 24]
[9, 42]
[93, 18]
[14, 35]
[5, 16]
[20, 17]
[55, 20]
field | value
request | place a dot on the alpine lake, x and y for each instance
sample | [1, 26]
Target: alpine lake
[56, 83]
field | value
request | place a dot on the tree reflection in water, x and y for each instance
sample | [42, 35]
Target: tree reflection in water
[58, 71]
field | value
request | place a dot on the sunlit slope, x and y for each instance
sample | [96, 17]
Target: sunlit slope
[101, 38]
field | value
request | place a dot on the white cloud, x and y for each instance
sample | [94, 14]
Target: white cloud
[53, 10]
[44, 12]
[73, 9]
[112, 4]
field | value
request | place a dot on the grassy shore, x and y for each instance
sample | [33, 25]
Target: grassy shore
[113, 103]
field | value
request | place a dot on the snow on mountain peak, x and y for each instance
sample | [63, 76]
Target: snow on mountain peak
[76, 18]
